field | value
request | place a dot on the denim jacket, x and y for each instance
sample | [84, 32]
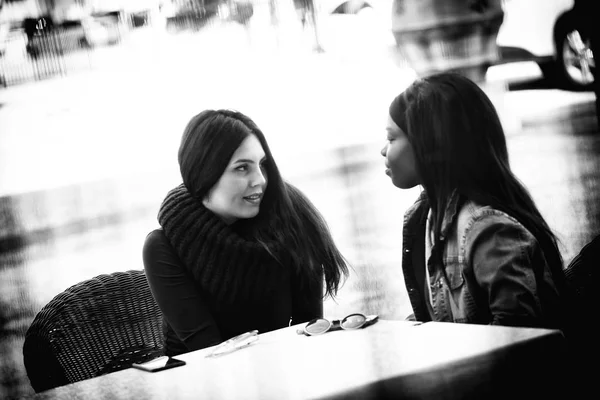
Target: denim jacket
[491, 269]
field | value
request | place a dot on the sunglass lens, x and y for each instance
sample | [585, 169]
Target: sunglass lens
[353, 321]
[317, 326]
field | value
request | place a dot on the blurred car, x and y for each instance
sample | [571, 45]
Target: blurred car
[551, 33]
[45, 36]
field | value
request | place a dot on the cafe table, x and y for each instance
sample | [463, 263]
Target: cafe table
[389, 359]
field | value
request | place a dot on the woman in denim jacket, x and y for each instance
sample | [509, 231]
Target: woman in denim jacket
[475, 247]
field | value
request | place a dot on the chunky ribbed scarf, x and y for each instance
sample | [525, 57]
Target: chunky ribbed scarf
[227, 266]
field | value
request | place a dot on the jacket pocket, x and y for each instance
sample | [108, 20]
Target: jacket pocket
[457, 299]
[454, 274]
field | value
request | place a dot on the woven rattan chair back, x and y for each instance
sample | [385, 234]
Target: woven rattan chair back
[97, 326]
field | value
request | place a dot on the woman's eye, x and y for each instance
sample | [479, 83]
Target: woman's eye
[241, 168]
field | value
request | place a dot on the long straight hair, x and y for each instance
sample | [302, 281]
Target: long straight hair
[288, 225]
[459, 144]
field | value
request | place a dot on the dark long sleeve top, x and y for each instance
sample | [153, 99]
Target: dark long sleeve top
[195, 319]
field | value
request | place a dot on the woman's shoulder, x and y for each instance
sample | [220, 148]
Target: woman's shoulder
[158, 251]
[156, 243]
[156, 237]
[474, 218]
[474, 211]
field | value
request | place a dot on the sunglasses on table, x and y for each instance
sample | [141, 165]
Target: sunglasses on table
[318, 326]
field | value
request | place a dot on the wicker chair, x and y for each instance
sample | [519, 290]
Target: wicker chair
[97, 326]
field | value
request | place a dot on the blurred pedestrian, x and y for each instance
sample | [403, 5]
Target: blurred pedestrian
[239, 248]
[307, 14]
[240, 11]
[475, 247]
[305, 10]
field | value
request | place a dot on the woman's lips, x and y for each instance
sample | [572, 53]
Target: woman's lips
[254, 198]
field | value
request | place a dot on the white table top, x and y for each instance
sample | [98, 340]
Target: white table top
[417, 360]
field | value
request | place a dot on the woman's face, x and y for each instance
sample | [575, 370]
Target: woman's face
[240, 189]
[399, 157]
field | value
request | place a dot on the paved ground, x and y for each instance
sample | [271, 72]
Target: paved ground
[86, 159]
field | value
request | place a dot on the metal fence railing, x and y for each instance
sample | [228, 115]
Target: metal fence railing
[38, 50]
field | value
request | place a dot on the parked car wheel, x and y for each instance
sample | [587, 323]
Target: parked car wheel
[555, 35]
[574, 58]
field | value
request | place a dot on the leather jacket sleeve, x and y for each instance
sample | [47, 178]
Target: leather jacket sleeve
[503, 256]
[177, 295]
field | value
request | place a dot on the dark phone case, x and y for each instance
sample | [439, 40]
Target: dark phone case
[171, 363]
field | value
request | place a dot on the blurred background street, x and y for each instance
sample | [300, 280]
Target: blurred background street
[88, 152]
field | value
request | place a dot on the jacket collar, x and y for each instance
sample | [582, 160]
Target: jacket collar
[450, 212]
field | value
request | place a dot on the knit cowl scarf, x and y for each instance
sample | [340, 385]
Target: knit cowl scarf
[226, 265]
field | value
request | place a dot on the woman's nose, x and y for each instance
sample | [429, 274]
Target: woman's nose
[258, 178]
[384, 150]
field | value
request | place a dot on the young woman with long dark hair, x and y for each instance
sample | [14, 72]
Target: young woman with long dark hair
[476, 249]
[239, 248]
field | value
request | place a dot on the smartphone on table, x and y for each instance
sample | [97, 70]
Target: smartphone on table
[159, 364]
